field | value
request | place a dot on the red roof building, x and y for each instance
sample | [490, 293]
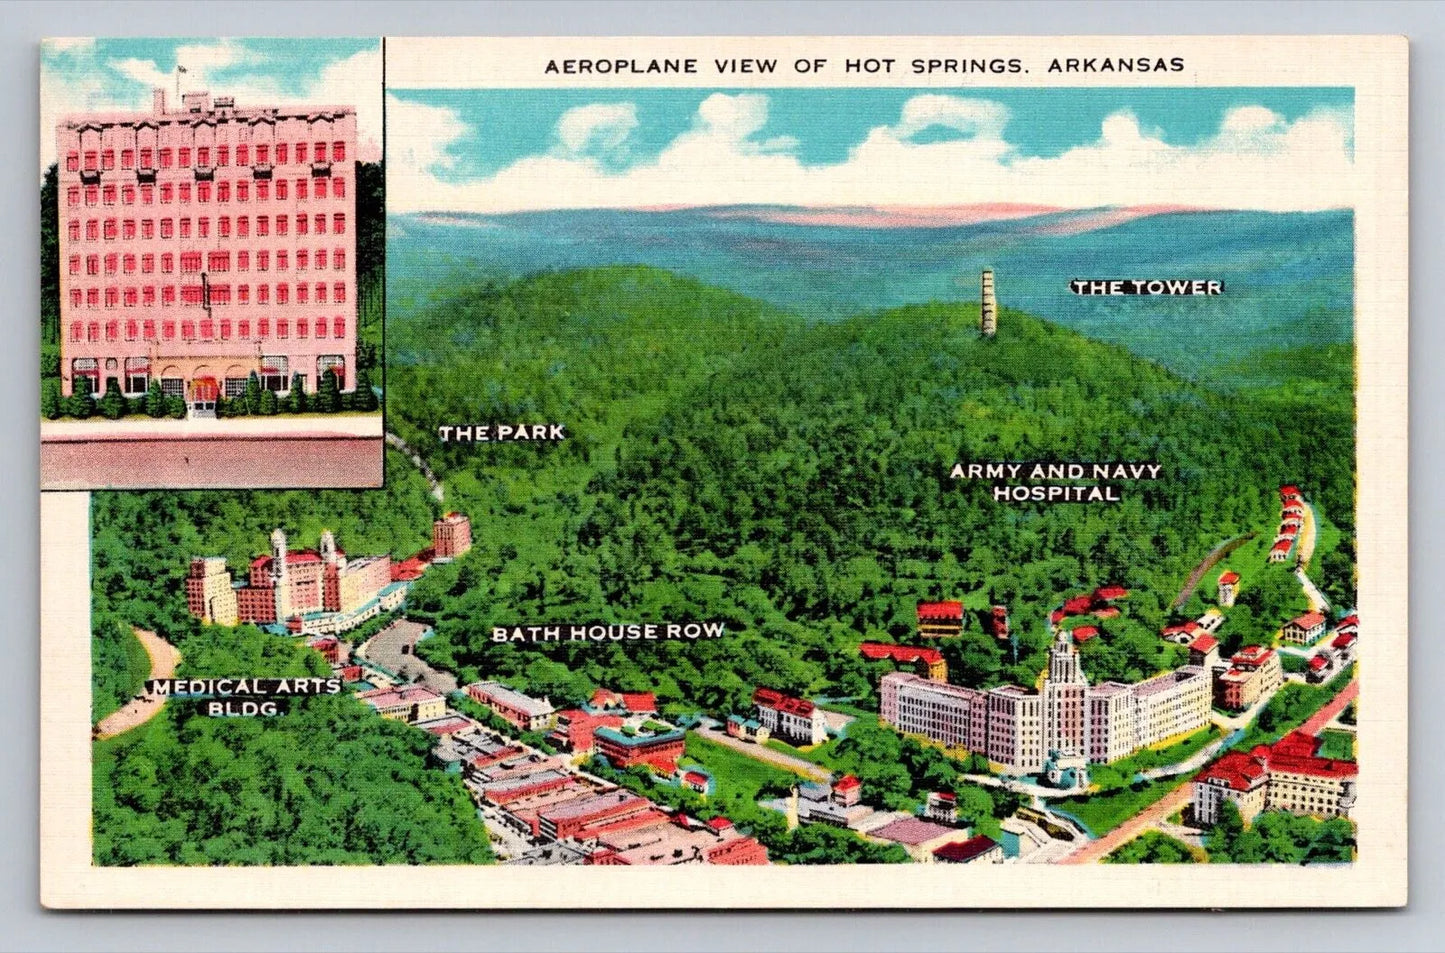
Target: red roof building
[981, 849]
[1110, 593]
[1344, 641]
[940, 619]
[1229, 577]
[1078, 605]
[1084, 633]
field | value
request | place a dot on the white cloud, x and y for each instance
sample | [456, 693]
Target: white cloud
[69, 44]
[601, 126]
[1256, 160]
[90, 84]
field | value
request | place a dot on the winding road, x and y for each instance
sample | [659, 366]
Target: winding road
[142, 708]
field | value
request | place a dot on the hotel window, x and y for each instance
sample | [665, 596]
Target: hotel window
[92, 195]
[137, 375]
[300, 152]
[167, 227]
[303, 293]
[168, 193]
[166, 156]
[185, 192]
[283, 294]
[92, 331]
[224, 226]
[283, 225]
[190, 262]
[112, 263]
[108, 195]
[338, 327]
[263, 260]
[92, 229]
[112, 296]
[127, 264]
[75, 297]
[168, 329]
[303, 258]
[283, 328]
[320, 292]
[321, 188]
[321, 259]
[274, 370]
[243, 328]
[281, 190]
[280, 153]
[192, 294]
[127, 195]
[147, 195]
[218, 261]
[75, 264]
[73, 229]
[320, 152]
[263, 328]
[127, 158]
[203, 155]
[107, 159]
[263, 296]
[127, 229]
[263, 225]
[185, 228]
[303, 327]
[302, 223]
[243, 226]
[203, 191]
[243, 191]
[225, 329]
[223, 191]
[132, 329]
[243, 155]
[85, 374]
[338, 292]
[148, 228]
[148, 330]
[72, 196]
[320, 322]
[92, 297]
[300, 190]
[338, 188]
[263, 190]
[168, 296]
[148, 296]
[223, 155]
[283, 260]
[263, 154]
[243, 261]
[72, 162]
[321, 224]
[168, 263]
[338, 152]
[188, 330]
[146, 155]
[243, 293]
[338, 223]
[203, 227]
[92, 159]
[110, 229]
[77, 330]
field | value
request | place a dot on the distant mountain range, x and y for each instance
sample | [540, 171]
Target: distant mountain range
[1288, 277]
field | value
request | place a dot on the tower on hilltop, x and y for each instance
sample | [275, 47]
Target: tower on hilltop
[988, 305]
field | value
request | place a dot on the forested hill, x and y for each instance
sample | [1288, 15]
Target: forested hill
[731, 461]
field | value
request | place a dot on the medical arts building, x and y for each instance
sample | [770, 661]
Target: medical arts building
[202, 244]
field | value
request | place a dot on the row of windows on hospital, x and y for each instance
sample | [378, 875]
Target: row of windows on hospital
[207, 329]
[127, 229]
[205, 295]
[275, 375]
[194, 262]
[305, 189]
[183, 156]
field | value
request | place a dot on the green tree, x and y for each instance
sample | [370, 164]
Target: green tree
[328, 394]
[364, 398]
[176, 406]
[155, 406]
[50, 257]
[252, 396]
[50, 399]
[112, 402]
[268, 403]
[79, 406]
[296, 398]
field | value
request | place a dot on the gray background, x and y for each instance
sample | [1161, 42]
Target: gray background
[25, 926]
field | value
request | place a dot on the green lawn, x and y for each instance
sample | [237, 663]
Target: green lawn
[1291, 707]
[823, 754]
[1337, 744]
[737, 777]
[1101, 813]
[1121, 773]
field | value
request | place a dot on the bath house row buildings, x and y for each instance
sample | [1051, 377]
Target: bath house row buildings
[1066, 721]
[313, 591]
[204, 242]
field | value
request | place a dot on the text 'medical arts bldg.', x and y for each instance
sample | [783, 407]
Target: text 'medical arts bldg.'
[201, 245]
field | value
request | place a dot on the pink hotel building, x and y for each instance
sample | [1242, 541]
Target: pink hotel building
[201, 245]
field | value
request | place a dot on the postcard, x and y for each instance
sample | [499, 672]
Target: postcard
[211, 264]
[947, 472]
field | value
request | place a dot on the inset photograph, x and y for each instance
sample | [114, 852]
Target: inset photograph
[212, 252]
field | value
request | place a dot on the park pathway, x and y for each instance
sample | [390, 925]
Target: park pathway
[141, 709]
[778, 759]
[418, 462]
[1210, 561]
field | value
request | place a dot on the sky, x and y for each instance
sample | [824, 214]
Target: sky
[1281, 149]
[79, 75]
